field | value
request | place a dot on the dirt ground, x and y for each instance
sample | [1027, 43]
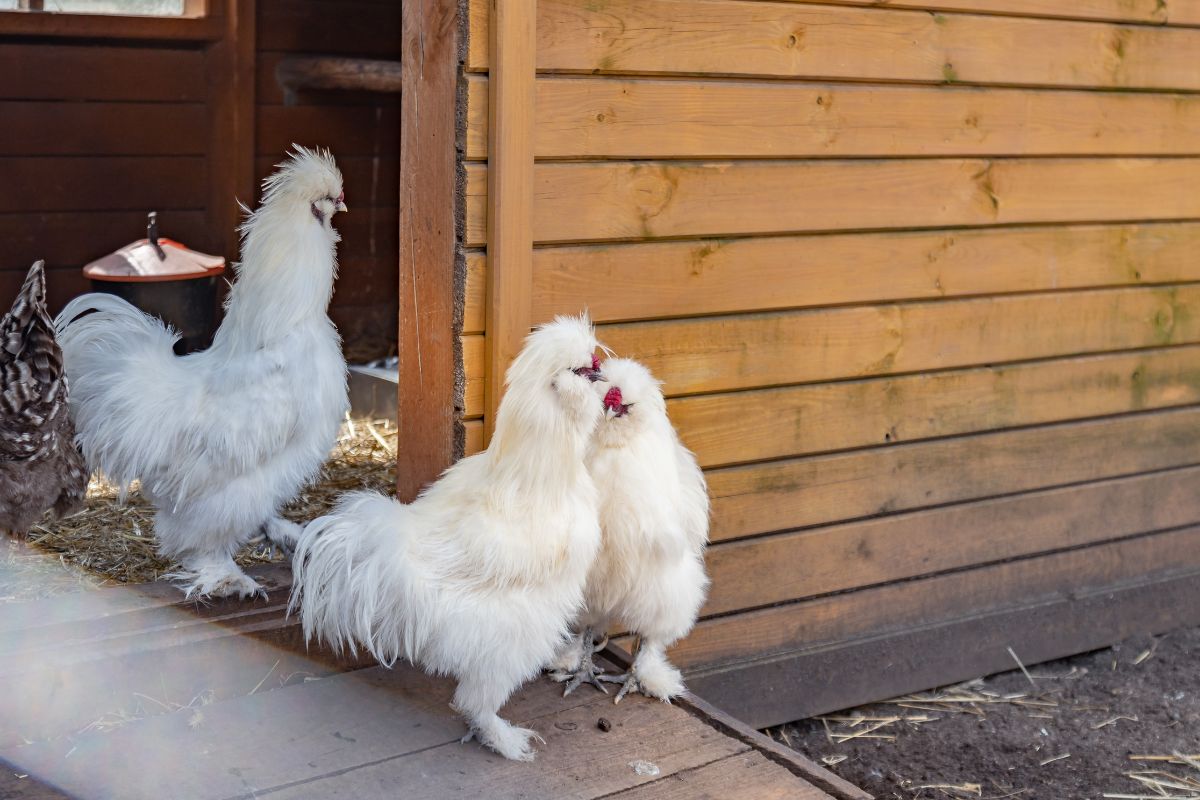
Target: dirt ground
[1074, 733]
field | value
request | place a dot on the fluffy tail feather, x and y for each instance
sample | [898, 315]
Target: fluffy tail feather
[116, 357]
[354, 583]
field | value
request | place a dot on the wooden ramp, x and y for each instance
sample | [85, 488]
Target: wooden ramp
[127, 693]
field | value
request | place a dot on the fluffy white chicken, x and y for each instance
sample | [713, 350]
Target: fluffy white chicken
[222, 438]
[481, 576]
[649, 576]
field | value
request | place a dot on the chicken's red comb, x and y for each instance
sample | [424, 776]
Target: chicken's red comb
[595, 362]
[612, 400]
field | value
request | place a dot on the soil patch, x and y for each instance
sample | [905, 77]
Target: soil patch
[1119, 723]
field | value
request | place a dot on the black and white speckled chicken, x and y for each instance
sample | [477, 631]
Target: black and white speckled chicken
[40, 466]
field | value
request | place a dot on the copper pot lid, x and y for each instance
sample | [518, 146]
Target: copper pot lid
[154, 259]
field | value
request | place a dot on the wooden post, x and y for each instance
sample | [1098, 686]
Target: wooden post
[510, 191]
[426, 416]
[230, 64]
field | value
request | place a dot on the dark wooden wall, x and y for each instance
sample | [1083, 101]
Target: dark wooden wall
[362, 130]
[96, 130]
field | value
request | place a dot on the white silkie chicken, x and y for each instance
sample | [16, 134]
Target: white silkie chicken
[649, 576]
[480, 576]
[222, 438]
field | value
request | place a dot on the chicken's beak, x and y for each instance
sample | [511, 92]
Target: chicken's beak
[341, 206]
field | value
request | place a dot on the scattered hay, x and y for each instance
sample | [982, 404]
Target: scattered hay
[110, 542]
[1160, 784]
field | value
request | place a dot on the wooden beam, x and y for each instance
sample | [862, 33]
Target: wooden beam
[510, 190]
[300, 73]
[109, 26]
[802, 684]
[427, 341]
[229, 66]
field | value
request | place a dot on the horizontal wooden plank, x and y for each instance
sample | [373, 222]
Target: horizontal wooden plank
[474, 348]
[746, 776]
[103, 129]
[576, 760]
[103, 184]
[823, 621]
[193, 29]
[796, 493]
[776, 423]
[43, 71]
[753, 350]
[772, 691]
[675, 279]
[351, 27]
[349, 131]
[775, 569]
[475, 294]
[731, 37]
[1158, 12]
[474, 436]
[609, 118]
[644, 200]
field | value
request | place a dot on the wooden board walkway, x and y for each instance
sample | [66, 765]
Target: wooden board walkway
[128, 693]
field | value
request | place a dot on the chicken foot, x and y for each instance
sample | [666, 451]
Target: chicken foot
[587, 671]
[651, 673]
[278, 536]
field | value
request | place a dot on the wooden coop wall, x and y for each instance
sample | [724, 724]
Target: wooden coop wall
[105, 118]
[921, 282]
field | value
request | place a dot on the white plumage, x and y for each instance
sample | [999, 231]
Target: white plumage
[222, 438]
[481, 575]
[649, 576]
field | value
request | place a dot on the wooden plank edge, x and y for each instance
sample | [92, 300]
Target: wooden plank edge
[791, 760]
[804, 684]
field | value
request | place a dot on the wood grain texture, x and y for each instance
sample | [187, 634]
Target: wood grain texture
[745, 776]
[55, 183]
[1174, 12]
[575, 760]
[474, 436]
[621, 118]
[474, 350]
[229, 65]
[510, 191]
[733, 37]
[678, 279]
[112, 26]
[474, 303]
[796, 493]
[103, 129]
[100, 72]
[347, 27]
[810, 624]
[715, 354]
[428, 244]
[772, 691]
[646, 200]
[350, 131]
[775, 423]
[774, 569]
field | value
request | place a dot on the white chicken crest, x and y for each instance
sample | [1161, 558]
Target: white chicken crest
[481, 575]
[222, 438]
